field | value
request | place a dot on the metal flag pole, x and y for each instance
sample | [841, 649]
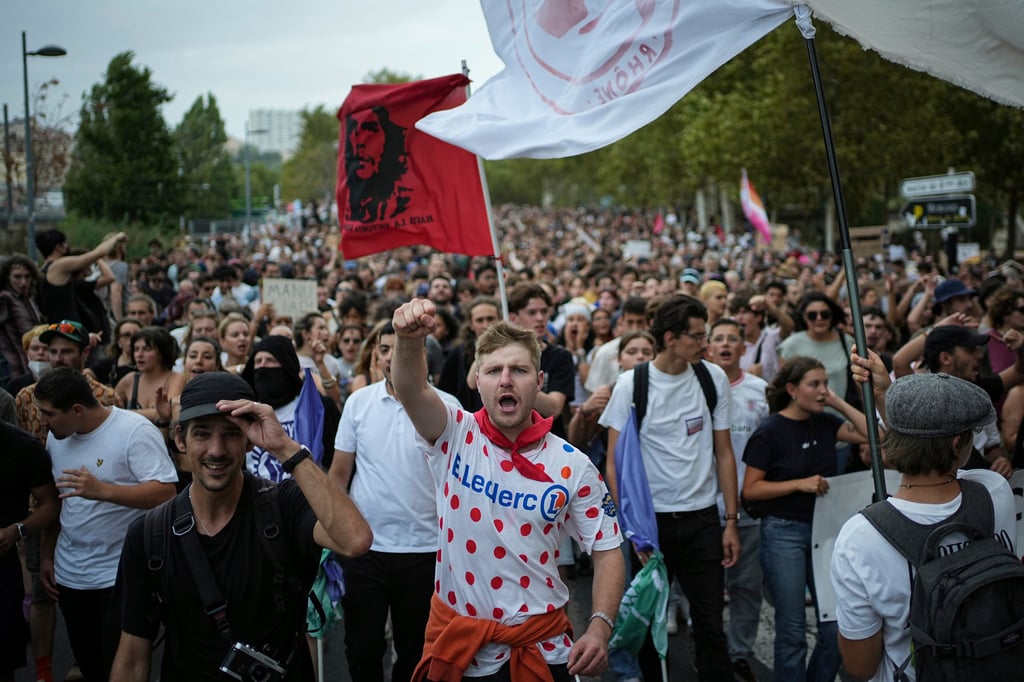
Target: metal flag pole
[806, 25]
[498, 260]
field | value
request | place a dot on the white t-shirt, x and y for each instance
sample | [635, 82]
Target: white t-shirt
[604, 365]
[392, 485]
[262, 463]
[500, 531]
[748, 409]
[768, 343]
[126, 449]
[329, 360]
[676, 434]
[872, 580]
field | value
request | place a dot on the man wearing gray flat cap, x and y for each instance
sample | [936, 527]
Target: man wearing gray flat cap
[931, 421]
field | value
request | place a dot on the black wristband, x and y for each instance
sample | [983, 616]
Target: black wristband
[288, 466]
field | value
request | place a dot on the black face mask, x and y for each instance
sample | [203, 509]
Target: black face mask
[274, 386]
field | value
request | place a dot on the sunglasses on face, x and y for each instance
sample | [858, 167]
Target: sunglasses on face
[813, 315]
[350, 341]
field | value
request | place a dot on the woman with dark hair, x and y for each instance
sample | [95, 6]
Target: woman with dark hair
[274, 373]
[1005, 312]
[120, 357]
[202, 354]
[154, 351]
[311, 340]
[789, 458]
[818, 318]
[19, 312]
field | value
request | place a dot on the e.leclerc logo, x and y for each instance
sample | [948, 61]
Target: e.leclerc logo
[553, 38]
[552, 501]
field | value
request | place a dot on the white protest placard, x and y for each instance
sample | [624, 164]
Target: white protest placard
[846, 496]
[640, 248]
[290, 297]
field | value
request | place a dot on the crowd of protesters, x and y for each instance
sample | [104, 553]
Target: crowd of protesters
[600, 290]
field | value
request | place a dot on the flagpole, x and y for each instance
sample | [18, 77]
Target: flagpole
[805, 23]
[498, 260]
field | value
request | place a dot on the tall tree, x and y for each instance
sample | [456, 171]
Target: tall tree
[208, 178]
[123, 166]
[310, 173]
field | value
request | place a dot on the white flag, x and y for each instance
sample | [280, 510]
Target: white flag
[976, 44]
[581, 74]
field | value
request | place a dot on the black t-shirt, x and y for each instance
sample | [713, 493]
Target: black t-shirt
[787, 449]
[24, 464]
[559, 375]
[244, 572]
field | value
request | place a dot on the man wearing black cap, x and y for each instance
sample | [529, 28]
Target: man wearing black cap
[930, 419]
[955, 350]
[259, 545]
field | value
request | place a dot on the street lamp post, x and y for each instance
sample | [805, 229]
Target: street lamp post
[248, 171]
[45, 51]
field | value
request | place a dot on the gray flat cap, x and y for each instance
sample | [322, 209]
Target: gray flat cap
[936, 405]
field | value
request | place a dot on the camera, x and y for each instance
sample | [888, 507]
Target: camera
[246, 664]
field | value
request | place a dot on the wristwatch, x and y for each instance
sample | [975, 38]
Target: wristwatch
[731, 517]
[22, 531]
[289, 464]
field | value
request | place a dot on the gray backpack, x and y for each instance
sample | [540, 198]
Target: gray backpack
[966, 607]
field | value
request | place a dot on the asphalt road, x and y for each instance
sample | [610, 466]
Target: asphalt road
[680, 669]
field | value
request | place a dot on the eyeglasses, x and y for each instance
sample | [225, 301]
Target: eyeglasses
[698, 337]
[351, 341]
[813, 315]
[731, 338]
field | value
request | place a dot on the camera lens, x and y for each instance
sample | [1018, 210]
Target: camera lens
[259, 673]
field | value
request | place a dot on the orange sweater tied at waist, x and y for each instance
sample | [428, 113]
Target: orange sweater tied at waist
[452, 640]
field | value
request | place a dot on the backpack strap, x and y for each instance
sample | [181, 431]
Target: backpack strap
[184, 528]
[641, 382]
[918, 542]
[707, 385]
[156, 544]
[760, 346]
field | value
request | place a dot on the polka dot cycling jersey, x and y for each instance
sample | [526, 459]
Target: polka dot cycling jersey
[500, 531]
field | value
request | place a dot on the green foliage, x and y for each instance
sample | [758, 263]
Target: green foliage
[88, 232]
[385, 76]
[310, 174]
[208, 179]
[123, 167]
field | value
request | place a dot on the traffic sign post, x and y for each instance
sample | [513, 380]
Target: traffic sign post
[958, 210]
[935, 185]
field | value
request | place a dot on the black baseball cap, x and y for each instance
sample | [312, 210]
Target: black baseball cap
[948, 337]
[201, 394]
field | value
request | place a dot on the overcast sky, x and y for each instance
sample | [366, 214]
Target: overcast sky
[256, 54]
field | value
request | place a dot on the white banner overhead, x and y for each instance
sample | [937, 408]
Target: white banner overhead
[581, 74]
[976, 44]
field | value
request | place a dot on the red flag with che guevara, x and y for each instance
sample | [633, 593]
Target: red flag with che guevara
[398, 186]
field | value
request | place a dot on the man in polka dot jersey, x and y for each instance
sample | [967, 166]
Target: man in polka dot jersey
[508, 491]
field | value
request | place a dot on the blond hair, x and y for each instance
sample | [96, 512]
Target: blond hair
[502, 334]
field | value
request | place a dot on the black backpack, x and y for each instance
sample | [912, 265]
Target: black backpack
[966, 607]
[642, 380]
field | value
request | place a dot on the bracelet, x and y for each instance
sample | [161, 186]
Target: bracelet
[328, 383]
[731, 517]
[601, 615]
[289, 464]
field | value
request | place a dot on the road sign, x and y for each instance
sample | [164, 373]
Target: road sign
[959, 210]
[933, 185]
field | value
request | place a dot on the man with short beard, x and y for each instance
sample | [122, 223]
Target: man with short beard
[508, 492]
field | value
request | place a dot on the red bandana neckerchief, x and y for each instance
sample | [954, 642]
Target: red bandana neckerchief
[537, 430]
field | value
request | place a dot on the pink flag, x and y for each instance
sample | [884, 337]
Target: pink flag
[659, 223]
[581, 74]
[753, 208]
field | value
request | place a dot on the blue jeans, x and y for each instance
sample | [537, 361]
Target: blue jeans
[743, 582]
[786, 563]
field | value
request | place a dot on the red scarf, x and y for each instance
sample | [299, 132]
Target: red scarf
[537, 430]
